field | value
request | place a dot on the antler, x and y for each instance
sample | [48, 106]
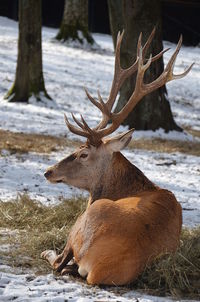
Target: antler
[120, 75]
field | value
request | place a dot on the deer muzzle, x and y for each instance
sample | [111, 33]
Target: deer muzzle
[51, 177]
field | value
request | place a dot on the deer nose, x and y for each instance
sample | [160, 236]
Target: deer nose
[48, 173]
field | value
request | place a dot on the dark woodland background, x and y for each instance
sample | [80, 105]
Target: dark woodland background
[179, 16]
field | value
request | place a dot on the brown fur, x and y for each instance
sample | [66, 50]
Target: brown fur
[128, 221]
[122, 179]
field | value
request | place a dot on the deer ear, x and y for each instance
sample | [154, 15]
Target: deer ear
[119, 142]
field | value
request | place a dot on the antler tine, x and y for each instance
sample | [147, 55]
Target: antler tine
[181, 75]
[105, 113]
[117, 50]
[171, 63]
[149, 40]
[78, 122]
[87, 128]
[160, 54]
[92, 100]
[74, 129]
[167, 75]
[104, 109]
[170, 66]
[116, 84]
[87, 132]
[83, 126]
[146, 66]
[139, 44]
[174, 56]
[147, 44]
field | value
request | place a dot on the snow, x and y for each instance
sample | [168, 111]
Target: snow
[49, 288]
[67, 70]
[176, 172]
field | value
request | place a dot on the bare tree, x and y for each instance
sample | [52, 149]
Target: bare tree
[135, 16]
[29, 75]
[75, 22]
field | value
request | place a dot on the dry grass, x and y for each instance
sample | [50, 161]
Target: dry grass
[177, 275]
[193, 132]
[168, 146]
[37, 227]
[23, 143]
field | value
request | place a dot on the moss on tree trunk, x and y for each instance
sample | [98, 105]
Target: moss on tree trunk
[29, 76]
[75, 21]
[153, 112]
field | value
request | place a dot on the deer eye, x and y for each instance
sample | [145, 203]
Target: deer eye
[84, 155]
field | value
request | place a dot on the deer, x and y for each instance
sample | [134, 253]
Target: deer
[128, 220]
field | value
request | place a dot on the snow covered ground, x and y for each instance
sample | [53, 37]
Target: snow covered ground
[67, 70]
[51, 289]
[176, 172]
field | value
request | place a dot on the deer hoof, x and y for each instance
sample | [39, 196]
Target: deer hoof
[71, 269]
[48, 255]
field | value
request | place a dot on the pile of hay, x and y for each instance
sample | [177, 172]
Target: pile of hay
[177, 274]
[38, 227]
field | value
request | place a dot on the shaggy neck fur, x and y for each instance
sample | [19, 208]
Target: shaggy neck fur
[120, 179]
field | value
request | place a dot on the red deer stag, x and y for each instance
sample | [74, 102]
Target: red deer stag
[129, 220]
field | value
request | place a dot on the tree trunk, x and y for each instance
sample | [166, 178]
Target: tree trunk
[29, 76]
[75, 21]
[115, 18]
[153, 111]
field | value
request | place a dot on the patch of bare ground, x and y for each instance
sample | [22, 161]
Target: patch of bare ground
[168, 146]
[23, 143]
[28, 227]
[194, 132]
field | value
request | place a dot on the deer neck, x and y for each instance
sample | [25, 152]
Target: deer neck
[120, 179]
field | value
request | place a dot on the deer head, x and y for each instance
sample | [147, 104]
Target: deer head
[94, 161]
[87, 164]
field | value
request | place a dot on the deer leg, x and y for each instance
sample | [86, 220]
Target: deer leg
[58, 262]
[49, 255]
[62, 259]
[70, 270]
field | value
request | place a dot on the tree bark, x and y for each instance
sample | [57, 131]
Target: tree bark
[153, 111]
[115, 18]
[75, 21]
[29, 75]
